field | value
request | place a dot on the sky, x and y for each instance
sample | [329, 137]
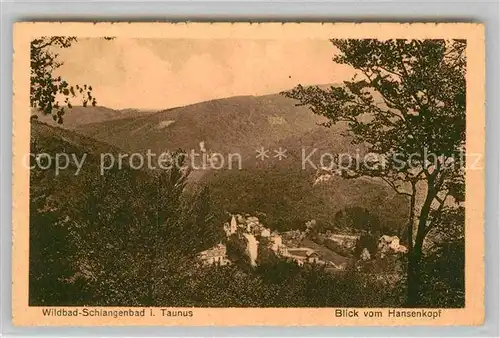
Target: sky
[166, 73]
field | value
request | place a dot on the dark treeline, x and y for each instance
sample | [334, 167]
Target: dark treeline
[112, 239]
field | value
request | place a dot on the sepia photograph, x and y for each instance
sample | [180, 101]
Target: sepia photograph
[182, 172]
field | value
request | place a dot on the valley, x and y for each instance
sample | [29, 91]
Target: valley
[284, 196]
[282, 189]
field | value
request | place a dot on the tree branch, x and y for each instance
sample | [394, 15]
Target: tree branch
[394, 187]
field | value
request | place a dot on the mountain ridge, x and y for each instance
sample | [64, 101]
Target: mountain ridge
[242, 125]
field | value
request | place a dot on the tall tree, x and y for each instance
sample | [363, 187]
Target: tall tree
[406, 107]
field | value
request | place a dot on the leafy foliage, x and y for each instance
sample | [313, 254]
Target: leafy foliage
[444, 263]
[281, 284]
[51, 256]
[115, 239]
[47, 89]
[406, 101]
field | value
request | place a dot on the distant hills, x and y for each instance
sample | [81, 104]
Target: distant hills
[236, 124]
[279, 189]
[77, 115]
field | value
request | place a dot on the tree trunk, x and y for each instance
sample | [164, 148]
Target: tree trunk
[415, 250]
[411, 221]
[413, 279]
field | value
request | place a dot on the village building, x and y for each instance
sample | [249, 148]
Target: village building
[252, 248]
[239, 218]
[230, 228]
[276, 245]
[365, 255]
[253, 220]
[256, 232]
[275, 242]
[283, 251]
[214, 256]
[304, 255]
[298, 255]
[276, 239]
[265, 233]
[347, 241]
[313, 257]
[284, 244]
[233, 226]
[390, 244]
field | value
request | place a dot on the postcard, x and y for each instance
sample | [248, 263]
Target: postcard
[230, 174]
